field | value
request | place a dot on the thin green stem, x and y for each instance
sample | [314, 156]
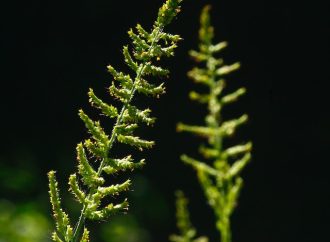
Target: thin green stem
[224, 227]
[213, 98]
[223, 219]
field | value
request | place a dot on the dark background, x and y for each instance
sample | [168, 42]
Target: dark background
[52, 51]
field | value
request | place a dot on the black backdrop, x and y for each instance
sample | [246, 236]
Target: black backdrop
[52, 51]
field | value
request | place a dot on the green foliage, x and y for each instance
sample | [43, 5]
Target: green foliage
[23, 222]
[88, 184]
[187, 232]
[219, 174]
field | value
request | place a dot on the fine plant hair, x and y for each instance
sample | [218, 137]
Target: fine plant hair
[218, 172]
[94, 155]
[187, 231]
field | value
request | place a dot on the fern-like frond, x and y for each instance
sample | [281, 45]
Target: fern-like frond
[93, 154]
[219, 171]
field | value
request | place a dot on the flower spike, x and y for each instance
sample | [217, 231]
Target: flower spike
[218, 171]
[95, 160]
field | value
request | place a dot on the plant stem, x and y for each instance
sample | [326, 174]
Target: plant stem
[139, 74]
[224, 228]
[223, 223]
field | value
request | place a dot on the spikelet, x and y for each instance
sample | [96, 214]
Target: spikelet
[219, 173]
[106, 109]
[85, 236]
[187, 231]
[63, 227]
[93, 154]
[127, 163]
[134, 115]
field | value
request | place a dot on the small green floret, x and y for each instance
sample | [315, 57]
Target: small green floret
[187, 231]
[63, 228]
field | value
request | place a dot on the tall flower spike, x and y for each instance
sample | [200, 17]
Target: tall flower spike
[88, 183]
[219, 173]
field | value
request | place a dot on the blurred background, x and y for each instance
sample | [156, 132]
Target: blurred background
[53, 51]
